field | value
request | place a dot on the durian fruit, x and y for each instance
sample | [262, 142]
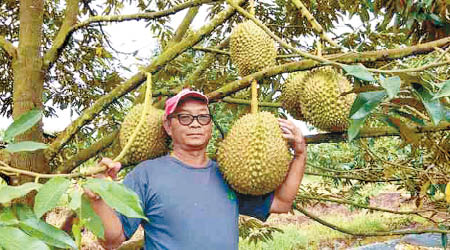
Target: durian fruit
[251, 48]
[254, 157]
[321, 101]
[290, 95]
[151, 139]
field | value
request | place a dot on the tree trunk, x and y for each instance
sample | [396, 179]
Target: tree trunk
[29, 84]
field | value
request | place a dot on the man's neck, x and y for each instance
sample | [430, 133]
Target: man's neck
[195, 158]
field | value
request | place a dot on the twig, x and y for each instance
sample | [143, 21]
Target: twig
[211, 50]
[346, 202]
[248, 102]
[316, 26]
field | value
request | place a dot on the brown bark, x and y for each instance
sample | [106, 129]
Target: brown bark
[29, 84]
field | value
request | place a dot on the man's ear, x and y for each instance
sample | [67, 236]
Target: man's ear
[166, 125]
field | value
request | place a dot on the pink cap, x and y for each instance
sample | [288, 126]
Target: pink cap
[172, 102]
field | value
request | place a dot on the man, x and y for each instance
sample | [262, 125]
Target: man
[183, 194]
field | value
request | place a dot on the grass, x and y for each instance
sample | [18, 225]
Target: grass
[312, 235]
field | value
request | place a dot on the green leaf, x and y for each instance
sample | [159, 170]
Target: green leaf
[444, 90]
[75, 199]
[354, 128]
[22, 124]
[12, 238]
[7, 217]
[49, 195]
[433, 106]
[118, 197]
[391, 85]
[365, 103]
[90, 219]
[8, 193]
[25, 146]
[359, 71]
[49, 234]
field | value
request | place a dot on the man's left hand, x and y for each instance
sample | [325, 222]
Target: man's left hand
[294, 135]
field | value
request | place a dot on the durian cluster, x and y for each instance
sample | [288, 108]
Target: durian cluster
[316, 96]
[151, 140]
[254, 157]
[251, 48]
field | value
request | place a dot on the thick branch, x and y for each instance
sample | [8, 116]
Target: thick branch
[184, 25]
[70, 19]
[8, 47]
[371, 56]
[169, 54]
[88, 153]
[372, 234]
[248, 102]
[64, 35]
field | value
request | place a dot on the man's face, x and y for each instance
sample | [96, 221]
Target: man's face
[193, 135]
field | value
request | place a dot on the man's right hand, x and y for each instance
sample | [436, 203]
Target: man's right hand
[112, 168]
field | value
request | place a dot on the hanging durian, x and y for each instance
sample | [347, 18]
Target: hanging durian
[254, 157]
[251, 48]
[151, 139]
[290, 95]
[321, 102]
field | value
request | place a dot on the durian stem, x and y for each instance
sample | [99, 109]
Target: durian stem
[147, 103]
[254, 103]
[251, 7]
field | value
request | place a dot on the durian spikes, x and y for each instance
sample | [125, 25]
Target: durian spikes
[254, 103]
[148, 102]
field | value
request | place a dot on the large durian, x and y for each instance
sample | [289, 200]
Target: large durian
[254, 157]
[151, 139]
[251, 48]
[290, 95]
[321, 102]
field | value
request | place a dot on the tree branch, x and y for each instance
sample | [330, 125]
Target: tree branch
[184, 25]
[316, 26]
[372, 132]
[61, 39]
[211, 50]
[134, 82]
[364, 57]
[248, 102]
[87, 153]
[356, 178]
[10, 49]
[64, 35]
[380, 233]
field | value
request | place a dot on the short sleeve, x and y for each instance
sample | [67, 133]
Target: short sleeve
[255, 206]
[133, 182]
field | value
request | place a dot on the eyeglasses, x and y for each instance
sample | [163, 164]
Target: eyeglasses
[187, 119]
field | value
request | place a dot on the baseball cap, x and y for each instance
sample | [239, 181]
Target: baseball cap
[172, 102]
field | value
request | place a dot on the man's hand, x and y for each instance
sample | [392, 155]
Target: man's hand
[294, 135]
[112, 168]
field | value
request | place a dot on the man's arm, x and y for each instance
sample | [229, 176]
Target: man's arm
[287, 191]
[114, 234]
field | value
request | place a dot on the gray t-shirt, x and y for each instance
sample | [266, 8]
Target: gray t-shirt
[189, 208]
